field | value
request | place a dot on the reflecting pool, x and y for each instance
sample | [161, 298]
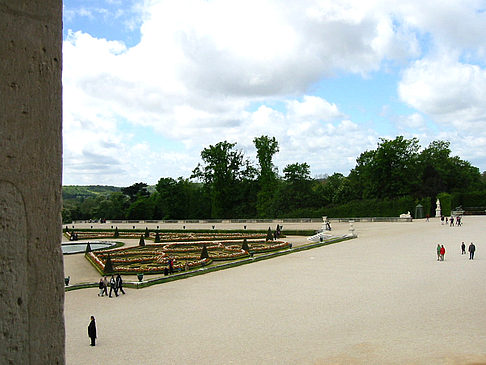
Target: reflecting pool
[69, 247]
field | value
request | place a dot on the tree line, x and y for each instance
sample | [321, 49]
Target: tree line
[386, 181]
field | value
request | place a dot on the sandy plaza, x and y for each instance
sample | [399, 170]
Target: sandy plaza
[382, 298]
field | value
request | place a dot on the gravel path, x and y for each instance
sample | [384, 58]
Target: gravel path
[379, 299]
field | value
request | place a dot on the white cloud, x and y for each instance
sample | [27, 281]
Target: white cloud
[449, 91]
[413, 121]
[201, 66]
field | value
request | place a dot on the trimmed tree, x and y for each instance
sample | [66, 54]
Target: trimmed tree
[245, 246]
[88, 248]
[269, 235]
[204, 253]
[142, 241]
[157, 237]
[108, 266]
[116, 234]
[147, 233]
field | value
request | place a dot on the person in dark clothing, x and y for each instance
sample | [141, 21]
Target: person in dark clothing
[101, 287]
[119, 283]
[92, 330]
[113, 286]
[463, 248]
[472, 249]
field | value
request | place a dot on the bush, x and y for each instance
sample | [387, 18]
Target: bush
[445, 203]
[245, 246]
[116, 234]
[157, 237]
[204, 253]
[269, 235]
[142, 241]
[473, 199]
[108, 266]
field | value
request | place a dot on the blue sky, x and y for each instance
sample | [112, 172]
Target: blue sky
[149, 84]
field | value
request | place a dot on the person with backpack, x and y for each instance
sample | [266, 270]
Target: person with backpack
[113, 286]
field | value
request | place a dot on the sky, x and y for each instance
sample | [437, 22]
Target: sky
[147, 85]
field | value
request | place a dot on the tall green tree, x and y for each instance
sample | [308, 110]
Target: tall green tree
[223, 169]
[136, 190]
[296, 190]
[441, 172]
[267, 176]
[390, 170]
[142, 208]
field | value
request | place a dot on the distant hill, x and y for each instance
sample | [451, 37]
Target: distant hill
[85, 191]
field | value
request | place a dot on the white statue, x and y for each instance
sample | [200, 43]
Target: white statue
[438, 212]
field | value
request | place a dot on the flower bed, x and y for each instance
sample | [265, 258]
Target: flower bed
[188, 237]
[133, 263]
[267, 246]
[166, 236]
[154, 258]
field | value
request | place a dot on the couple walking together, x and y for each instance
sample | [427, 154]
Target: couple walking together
[440, 252]
[471, 249]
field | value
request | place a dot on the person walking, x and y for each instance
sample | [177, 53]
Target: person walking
[92, 331]
[113, 286]
[442, 252]
[105, 286]
[101, 286]
[472, 249]
[119, 283]
[463, 248]
[438, 252]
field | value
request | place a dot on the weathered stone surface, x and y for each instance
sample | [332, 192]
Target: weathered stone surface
[31, 278]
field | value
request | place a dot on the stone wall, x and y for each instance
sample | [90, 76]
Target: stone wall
[31, 274]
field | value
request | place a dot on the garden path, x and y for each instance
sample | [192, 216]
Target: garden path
[379, 299]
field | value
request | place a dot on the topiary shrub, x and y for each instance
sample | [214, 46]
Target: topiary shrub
[116, 234]
[204, 253]
[269, 235]
[108, 266]
[147, 233]
[157, 237]
[88, 248]
[245, 246]
[142, 241]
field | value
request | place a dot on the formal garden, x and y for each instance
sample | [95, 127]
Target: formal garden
[177, 251]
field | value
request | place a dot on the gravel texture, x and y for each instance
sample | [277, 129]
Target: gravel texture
[382, 298]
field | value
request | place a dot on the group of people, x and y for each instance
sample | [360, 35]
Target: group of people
[450, 221]
[116, 284]
[471, 249]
